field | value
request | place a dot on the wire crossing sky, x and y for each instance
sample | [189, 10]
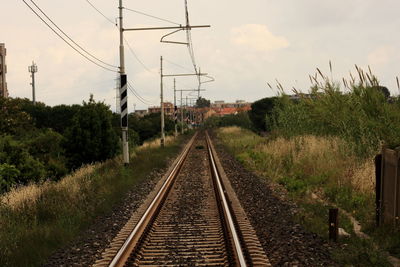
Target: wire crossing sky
[247, 46]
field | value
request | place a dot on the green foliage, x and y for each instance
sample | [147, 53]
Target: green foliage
[16, 154]
[261, 113]
[91, 137]
[149, 126]
[363, 117]
[58, 118]
[304, 170]
[8, 176]
[202, 103]
[32, 230]
[13, 120]
[360, 252]
[46, 146]
[240, 119]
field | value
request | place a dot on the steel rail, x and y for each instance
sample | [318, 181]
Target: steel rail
[236, 242]
[123, 253]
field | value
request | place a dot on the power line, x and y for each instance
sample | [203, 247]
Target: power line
[125, 40]
[51, 28]
[140, 98]
[70, 37]
[136, 57]
[134, 93]
[101, 13]
[177, 65]
[189, 37]
[151, 16]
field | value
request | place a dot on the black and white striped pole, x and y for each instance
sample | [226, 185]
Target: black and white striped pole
[175, 111]
[123, 90]
[181, 113]
[162, 104]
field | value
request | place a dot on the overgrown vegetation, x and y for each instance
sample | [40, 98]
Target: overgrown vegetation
[39, 218]
[310, 166]
[240, 119]
[39, 143]
[148, 127]
[321, 148]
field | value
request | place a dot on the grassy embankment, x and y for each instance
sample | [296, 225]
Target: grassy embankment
[37, 219]
[310, 166]
[322, 151]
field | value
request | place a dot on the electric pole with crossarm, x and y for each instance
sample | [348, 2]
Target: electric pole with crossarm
[123, 89]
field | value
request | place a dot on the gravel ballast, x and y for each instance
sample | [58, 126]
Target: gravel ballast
[271, 214]
[88, 247]
[285, 242]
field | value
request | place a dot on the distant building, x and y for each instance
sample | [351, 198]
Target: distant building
[239, 104]
[168, 109]
[220, 108]
[3, 71]
[141, 112]
[218, 103]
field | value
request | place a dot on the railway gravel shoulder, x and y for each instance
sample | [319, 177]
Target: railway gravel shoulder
[285, 242]
[89, 247]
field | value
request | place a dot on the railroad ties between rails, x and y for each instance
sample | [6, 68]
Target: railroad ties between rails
[192, 218]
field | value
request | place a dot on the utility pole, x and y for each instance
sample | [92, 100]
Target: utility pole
[33, 69]
[162, 104]
[187, 113]
[123, 89]
[181, 114]
[198, 94]
[175, 110]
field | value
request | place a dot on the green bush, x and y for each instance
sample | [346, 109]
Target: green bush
[261, 113]
[240, 119]
[91, 137]
[363, 117]
[8, 176]
[15, 153]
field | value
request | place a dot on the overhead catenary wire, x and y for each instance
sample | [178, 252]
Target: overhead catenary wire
[66, 35]
[140, 98]
[137, 58]
[176, 64]
[151, 16]
[101, 13]
[125, 40]
[68, 43]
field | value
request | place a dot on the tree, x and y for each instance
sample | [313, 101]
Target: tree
[149, 125]
[384, 90]
[8, 176]
[91, 137]
[13, 119]
[202, 103]
[259, 112]
[15, 153]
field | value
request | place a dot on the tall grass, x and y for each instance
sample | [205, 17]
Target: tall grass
[37, 219]
[359, 113]
[323, 166]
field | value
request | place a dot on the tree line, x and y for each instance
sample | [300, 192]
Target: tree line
[40, 142]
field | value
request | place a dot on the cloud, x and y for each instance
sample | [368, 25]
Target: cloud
[257, 37]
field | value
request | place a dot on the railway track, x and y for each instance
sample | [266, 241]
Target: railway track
[193, 218]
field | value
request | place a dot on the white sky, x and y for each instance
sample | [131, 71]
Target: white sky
[249, 44]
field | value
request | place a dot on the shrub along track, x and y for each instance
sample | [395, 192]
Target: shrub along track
[196, 220]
